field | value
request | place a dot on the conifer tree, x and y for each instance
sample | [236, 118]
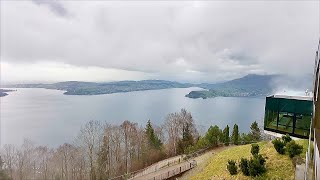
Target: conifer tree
[255, 133]
[153, 140]
[226, 138]
[187, 139]
[213, 135]
[235, 135]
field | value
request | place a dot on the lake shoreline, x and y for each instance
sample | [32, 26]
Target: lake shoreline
[49, 117]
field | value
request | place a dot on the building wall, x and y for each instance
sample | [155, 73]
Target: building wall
[317, 164]
[316, 119]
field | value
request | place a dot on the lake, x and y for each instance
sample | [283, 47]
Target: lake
[48, 117]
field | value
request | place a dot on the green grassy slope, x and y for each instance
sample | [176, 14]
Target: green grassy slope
[278, 166]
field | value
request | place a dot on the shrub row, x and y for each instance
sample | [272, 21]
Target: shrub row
[286, 144]
[253, 167]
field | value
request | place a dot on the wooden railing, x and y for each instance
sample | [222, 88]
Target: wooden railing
[157, 166]
[151, 169]
[177, 171]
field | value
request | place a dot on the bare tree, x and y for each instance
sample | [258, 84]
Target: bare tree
[9, 158]
[140, 149]
[116, 139]
[174, 125]
[64, 152]
[159, 131]
[90, 139]
[187, 120]
[43, 156]
[25, 157]
[129, 131]
[99, 152]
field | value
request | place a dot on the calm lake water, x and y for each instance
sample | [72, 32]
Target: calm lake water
[48, 117]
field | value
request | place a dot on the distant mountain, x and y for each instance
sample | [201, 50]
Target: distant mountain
[91, 88]
[247, 82]
[253, 85]
[249, 85]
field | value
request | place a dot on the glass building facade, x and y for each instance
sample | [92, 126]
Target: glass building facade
[288, 115]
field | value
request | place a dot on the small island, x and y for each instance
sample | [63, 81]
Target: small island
[204, 94]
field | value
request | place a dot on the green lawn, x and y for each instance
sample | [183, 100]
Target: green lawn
[278, 166]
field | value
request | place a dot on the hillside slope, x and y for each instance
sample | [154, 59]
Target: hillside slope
[253, 85]
[278, 166]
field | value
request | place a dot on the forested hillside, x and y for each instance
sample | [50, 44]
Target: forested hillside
[102, 150]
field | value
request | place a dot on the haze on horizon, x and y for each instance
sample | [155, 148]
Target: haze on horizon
[192, 41]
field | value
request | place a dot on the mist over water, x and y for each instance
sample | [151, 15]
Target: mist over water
[48, 117]
[294, 93]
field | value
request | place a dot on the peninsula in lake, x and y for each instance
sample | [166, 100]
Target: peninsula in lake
[247, 86]
[3, 92]
[253, 85]
[92, 88]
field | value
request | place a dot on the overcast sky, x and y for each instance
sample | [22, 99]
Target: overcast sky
[47, 41]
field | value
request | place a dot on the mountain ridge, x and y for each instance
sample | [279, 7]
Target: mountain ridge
[252, 85]
[249, 85]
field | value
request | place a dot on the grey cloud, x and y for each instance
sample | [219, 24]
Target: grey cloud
[206, 41]
[54, 5]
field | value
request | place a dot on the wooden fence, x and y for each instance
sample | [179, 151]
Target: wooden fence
[176, 171]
